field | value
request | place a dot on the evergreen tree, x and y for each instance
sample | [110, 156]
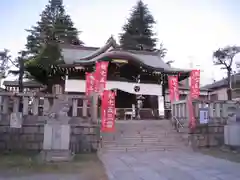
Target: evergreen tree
[137, 32]
[42, 47]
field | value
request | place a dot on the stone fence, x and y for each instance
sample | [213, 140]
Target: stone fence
[38, 103]
[205, 134]
[35, 108]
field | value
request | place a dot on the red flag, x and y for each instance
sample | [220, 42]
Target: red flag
[194, 94]
[108, 111]
[195, 84]
[173, 88]
[90, 83]
[101, 76]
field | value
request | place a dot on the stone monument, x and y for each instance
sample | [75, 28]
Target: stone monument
[57, 131]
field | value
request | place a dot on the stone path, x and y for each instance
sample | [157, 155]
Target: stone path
[44, 177]
[168, 166]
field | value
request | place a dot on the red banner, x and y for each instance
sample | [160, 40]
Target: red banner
[195, 84]
[101, 76]
[194, 94]
[173, 88]
[108, 111]
[90, 83]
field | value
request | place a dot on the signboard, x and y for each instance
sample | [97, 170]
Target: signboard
[16, 120]
[203, 115]
[108, 111]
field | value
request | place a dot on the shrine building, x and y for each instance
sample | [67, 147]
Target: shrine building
[134, 75]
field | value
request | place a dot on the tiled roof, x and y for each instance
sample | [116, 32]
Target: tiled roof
[222, 82]
[25, 84]
[111, 50]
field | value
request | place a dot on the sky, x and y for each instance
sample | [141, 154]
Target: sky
[190, 29]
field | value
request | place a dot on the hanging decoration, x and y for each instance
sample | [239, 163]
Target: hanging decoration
[173, 88]
[194, 94]
[101, 76]
[108, 111]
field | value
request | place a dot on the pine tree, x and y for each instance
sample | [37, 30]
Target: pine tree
[137, 32]
[42, 47]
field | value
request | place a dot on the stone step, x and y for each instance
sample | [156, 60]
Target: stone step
[142, 149]
[143, 136]
[126, 136]
[140, 138]
[140, 141]
[143, 146]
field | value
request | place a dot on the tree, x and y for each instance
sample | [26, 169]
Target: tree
[162, 51]
[224, 57]
[42, 48]
[4, 62]
[137, 32]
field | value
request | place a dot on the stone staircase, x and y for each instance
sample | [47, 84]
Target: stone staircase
[143, 136]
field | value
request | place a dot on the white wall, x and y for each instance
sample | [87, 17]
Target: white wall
[145, 89]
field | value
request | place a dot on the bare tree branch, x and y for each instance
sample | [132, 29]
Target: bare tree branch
[225, 57]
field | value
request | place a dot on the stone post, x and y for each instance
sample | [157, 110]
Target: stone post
[84, 108]
[35, 105]
[5, 104]
[25, 105]
[74, 107]
[94, 108]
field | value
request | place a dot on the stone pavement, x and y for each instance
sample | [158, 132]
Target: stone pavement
[171, 165]
[43, 177]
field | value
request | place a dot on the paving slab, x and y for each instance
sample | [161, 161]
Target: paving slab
[172, 165]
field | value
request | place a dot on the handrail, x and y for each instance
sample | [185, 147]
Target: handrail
[177, 124]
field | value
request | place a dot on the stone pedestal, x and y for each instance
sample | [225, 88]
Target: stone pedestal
[56, 142]
[57, 134]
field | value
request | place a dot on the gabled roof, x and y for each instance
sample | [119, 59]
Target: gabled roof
[90, 55]
[223, 82]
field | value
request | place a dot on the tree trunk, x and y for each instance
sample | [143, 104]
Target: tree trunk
[20, 80]
[229, 88]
